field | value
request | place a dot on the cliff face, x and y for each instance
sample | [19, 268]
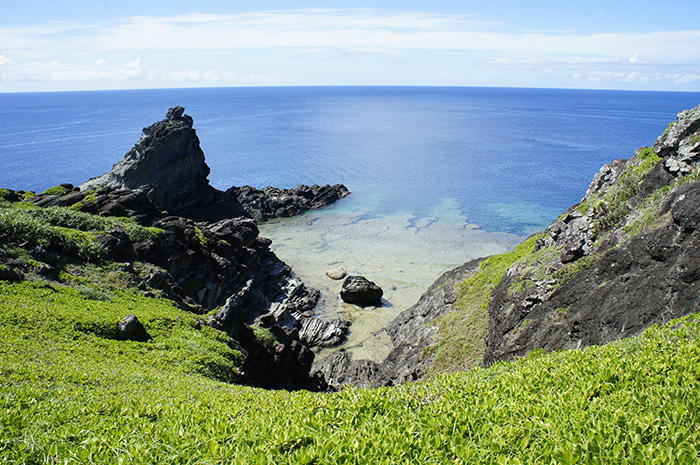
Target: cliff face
[627, 256]
[624, 258]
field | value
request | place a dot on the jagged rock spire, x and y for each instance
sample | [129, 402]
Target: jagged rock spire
[167, 162]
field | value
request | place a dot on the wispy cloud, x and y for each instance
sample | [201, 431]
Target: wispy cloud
[66, 51]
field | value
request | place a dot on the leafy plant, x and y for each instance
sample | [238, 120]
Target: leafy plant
[56, 190]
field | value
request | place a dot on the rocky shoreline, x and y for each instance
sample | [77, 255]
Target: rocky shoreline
[622, 259]
[627, 256]
[206, 252]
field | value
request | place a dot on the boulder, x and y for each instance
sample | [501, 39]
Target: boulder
[131, 329]
[361, 291]
[336, 273]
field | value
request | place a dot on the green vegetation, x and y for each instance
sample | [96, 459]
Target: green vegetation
[89, 199]
[56, 190]
[460, 341]
[668, 128]
[63, 228]
[265, 337]
[609, 207]
[201, 238]
[69, 393]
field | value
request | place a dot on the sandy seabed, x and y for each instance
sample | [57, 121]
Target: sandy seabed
[402, 253]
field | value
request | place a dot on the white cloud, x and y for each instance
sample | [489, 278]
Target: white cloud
[135, 64]
[184, 48]
[366, 29]
[212, 76]
[5, 60]
[58, 71]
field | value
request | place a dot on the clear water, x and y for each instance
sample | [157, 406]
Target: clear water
[438, 175]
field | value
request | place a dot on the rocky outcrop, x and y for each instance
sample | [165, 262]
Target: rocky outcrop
[272, 202]
[131, 329]
[627, 256]
[167, 164]
[680, 145]
[204, 250]
[649, 278]
[361, 291]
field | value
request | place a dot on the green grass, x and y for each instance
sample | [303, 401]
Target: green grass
[460, 342]
[201, 238]
[89, 199]
[62, 228]
[69, 394]
[56, 190]
[265, 337]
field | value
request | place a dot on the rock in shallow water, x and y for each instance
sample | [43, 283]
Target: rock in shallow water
[361, 291]
[336, 273]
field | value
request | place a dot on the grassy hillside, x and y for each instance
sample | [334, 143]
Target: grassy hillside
[620, 211]
[70, 393]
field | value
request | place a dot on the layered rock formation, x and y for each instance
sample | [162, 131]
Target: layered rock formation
[168, 165]
[206, 252]
[626, 257]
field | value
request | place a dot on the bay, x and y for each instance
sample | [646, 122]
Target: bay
[439, 175]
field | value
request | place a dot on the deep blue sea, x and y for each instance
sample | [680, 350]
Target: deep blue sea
[510, 159]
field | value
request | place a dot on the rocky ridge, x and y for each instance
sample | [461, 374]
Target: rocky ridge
[168, 165]
[205, 251]
[625, 257]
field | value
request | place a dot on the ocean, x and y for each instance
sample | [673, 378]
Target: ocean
[439, 175]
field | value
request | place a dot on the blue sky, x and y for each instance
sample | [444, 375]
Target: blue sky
[104, 44]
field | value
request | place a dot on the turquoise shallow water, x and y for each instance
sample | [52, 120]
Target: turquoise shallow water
[402, 253]
[438, 175]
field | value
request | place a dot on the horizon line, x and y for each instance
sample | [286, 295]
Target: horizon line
[346, 85]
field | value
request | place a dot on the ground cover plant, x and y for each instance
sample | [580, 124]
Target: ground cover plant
[69, 393]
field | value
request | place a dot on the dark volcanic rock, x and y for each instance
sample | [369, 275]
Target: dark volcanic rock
[315, 332]
[339, 369]
[272, 202]
[167, 164]
[651, 278]
[361, 291]
[131, 329]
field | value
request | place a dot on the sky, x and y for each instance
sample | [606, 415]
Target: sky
[127, 44]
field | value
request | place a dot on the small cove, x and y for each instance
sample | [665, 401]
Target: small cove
[402, 253]
[439, 175]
